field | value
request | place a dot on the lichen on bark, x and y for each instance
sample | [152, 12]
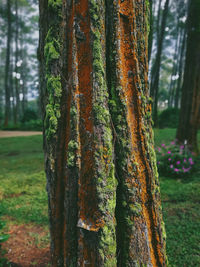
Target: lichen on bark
[100, 162]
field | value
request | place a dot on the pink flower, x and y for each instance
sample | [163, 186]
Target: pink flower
[186, 170]
[158, 162]
[159, 149]
[178, 162]
[169, 159]
[182, 147]
[173, 142]
[176, 170]
[171, 166]
[169, 152]
[163, 145]
[191, 161]
[185, 160]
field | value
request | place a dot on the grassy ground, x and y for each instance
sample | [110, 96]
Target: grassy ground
[22, 181]
[23, 197]
[181, 210]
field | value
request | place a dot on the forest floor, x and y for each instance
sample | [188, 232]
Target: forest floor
[27, 246]
[23, 206]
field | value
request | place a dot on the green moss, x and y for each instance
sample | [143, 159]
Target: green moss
[129, 223]
[50, 121]
[54, 3]
[147, 18]
[50, 51]
[94, 10]
[147, 115]
[54, 86]
[101, 114]
[51, 48]
[135, 208]
[53, 107]
[163, 230]
[71, 152]
[105, 176]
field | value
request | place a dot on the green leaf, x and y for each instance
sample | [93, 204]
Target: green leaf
[4, 238]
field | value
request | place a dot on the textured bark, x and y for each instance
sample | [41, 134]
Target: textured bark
[7, 66]
[190, 101]
[102, 182]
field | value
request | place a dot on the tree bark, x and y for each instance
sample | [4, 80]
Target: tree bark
[7, 66]
[190, 101]
[102, 181]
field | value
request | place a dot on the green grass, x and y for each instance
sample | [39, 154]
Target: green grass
[24, 200]
[181, 211]
[164, 135]
[22, 180]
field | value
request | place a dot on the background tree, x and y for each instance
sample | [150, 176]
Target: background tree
[102, 183]
[171, 57]
[7, 65]
[19, 81]
[190, 101]
[156, 67]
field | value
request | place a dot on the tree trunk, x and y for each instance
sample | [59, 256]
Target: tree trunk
[150, 39]
[158, 21]
[180, 69]
[102, 181]
[7, 67]
[17, 106]
[190, 101]
[174, 69]
[23, 55]
[156, 67]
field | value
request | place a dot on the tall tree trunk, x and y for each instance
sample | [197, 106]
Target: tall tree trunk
[102, 181]
[17, 106]
[190, 101]
[23, 56]
[150, 40]
[158, 20]
[174, 69]
[7, 66]
[11, 84]
[155, 76]
[180, 69]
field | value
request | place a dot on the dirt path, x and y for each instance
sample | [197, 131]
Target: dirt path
[18, 133]
[27, 246]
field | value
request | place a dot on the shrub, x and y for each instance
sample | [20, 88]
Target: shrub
[32, 125]
[175, 160]
[11, 127]
[168, 118]
[29, 114]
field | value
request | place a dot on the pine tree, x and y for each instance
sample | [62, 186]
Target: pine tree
[102, 181]
[190, 101]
